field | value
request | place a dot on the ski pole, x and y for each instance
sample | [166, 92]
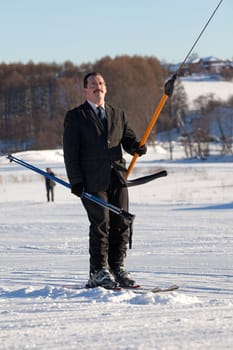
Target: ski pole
[168, 90]
[37, 170]
[88, 196]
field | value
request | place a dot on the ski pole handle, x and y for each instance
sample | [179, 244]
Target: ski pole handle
[111, 207]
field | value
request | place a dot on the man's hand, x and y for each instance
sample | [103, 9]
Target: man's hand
[140, 150]
[77, 189]
[169, 85]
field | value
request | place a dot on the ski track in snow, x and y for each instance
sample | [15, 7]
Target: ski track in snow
[182, 234]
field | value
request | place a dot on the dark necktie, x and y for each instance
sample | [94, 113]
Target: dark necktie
[102, 117]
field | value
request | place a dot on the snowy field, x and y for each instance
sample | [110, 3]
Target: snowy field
[182, 234]
[202, 85]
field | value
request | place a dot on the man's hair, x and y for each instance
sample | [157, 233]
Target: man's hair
[91, 74]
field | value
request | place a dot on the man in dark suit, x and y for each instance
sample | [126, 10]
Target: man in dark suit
[94, 135]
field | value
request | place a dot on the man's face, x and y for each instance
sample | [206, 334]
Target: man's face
[96, 89]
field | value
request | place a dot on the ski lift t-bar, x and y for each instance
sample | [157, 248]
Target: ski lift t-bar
[168, 89]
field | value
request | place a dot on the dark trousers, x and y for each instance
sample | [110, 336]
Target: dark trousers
[50, 193]
[109, 233]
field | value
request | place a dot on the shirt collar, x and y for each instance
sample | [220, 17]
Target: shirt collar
[94, 106]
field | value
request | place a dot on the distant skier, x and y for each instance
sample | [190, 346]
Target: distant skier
[49, 183]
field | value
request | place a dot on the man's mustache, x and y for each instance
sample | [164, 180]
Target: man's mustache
[98, 90]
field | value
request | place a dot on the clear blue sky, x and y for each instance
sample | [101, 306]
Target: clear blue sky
[84, 31]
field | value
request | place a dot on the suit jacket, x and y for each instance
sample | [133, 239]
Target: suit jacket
[90, 154]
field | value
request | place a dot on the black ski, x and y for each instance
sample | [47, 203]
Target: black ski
[170, 288]
[137, 289]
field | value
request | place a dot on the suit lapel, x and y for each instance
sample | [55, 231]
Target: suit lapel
[89, 111]
[109, 116]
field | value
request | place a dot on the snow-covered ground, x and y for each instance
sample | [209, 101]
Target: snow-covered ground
[204, 85]
[182, 234]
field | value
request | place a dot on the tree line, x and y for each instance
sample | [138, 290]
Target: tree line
[35, 97]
